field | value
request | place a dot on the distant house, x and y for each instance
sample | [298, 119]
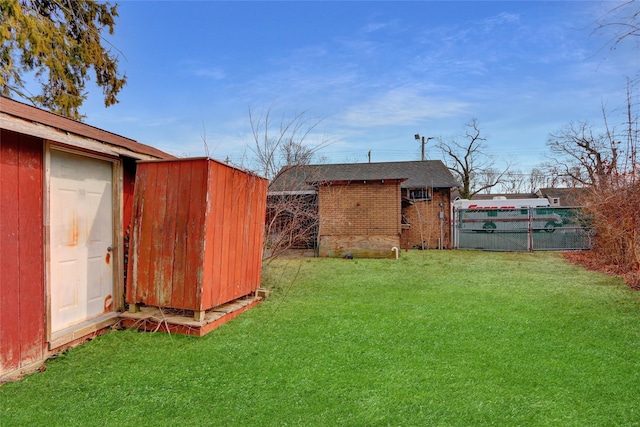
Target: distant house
[557, 197]
[66, 194]
[563, 197]
[366, 209]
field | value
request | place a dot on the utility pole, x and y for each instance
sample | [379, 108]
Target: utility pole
[417, 136]
[369, 155]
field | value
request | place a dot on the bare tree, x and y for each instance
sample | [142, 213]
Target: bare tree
[284, 141]
[538, 178]
[469, 162]
[282, 148]
[515, 182]
[620, 23]
[487, 177]
[580, 157]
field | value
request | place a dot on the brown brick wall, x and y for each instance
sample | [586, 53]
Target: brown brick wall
[359, 218]
[424, 217]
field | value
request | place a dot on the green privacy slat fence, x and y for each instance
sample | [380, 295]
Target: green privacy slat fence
[526, 229]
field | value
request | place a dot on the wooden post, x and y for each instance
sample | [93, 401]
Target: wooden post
[198, 315]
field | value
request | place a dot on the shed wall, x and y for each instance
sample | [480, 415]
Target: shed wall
[362, 219]
[22, 304]
[24, 135]
[197, 234]
[236, 207]
[166, 245]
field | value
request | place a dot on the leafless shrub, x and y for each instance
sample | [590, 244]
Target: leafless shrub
[292, 223]
[287, 143]
[607, 165]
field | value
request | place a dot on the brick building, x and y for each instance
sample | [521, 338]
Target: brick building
[365, 209]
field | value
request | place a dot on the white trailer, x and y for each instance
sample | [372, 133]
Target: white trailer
[503, 215]
[499, 203]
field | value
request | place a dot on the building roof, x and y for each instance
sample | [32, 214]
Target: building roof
[416, 174]
[23, 118]
[507, 196]
[566, 196]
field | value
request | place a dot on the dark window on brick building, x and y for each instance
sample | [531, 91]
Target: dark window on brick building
[420, 194]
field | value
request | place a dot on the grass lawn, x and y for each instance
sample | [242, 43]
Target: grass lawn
[450, 338]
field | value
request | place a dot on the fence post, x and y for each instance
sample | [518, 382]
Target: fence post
[530, 231]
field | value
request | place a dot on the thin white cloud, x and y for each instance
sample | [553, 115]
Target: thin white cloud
[160, 121]
[499, 20]
[212, 72]
[201, 69]
[402, 106]
[373, 27]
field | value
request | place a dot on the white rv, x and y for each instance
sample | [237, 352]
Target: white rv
[507, 215]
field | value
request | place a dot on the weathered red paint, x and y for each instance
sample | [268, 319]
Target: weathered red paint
[197, 234]
[108, 304]
[23, 330]
[22, 327]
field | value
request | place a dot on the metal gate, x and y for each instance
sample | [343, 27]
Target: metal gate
[522, 229]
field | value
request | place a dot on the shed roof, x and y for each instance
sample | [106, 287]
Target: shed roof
[21, 117]
[415, 174]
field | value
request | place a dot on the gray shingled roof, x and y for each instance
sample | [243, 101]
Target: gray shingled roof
[418, 174]
[568, 196]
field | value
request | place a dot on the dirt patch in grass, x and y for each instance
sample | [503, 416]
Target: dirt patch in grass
[588, 260]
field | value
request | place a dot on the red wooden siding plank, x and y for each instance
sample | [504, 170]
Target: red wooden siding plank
[160, 201]
[180, 263]
[195, 233]
[239, 263]
[245, 271]
[226, 234]
[9, 255]
[157, 218]
[170, 236]
[134, 237]
[210, 230]
[234, 261]
[218, 184]
[30, 238]
[145, 183]
[231, 224]
[248, 228]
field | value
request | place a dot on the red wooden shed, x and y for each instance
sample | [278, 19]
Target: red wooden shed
[66, 199]
[197, 236]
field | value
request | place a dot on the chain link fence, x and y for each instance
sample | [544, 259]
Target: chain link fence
[522, 229]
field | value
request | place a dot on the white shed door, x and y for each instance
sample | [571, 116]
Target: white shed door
[81, 234]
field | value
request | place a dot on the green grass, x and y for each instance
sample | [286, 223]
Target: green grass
[449, 338]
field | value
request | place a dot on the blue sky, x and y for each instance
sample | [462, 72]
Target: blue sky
[376, 73]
